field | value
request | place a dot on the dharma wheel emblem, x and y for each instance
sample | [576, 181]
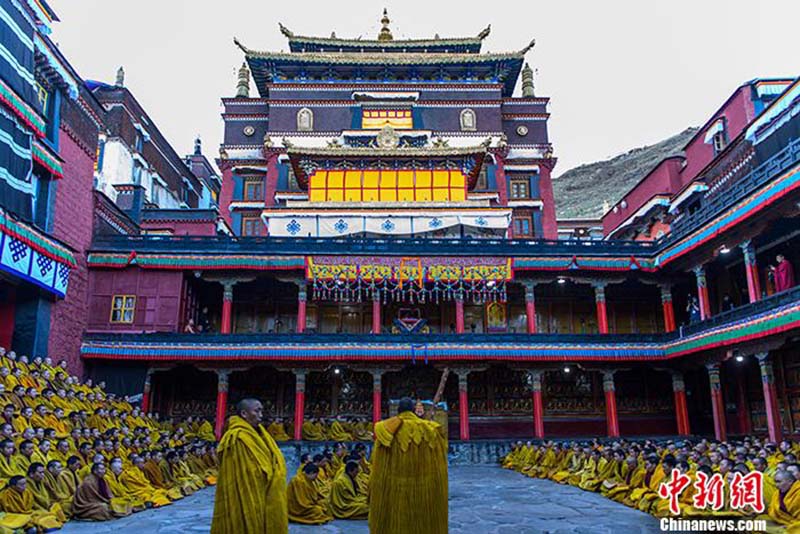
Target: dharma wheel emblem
[388, 138]
[249, 130]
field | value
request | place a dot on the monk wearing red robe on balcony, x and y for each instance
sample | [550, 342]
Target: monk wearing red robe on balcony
[783, 273]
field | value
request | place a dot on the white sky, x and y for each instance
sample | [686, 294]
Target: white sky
[621, 74]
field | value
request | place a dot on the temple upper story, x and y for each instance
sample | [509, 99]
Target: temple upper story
[387, 137]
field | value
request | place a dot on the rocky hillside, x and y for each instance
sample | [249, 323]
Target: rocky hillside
[580, 192]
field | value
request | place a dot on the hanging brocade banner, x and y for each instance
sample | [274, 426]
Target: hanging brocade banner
[408, 279]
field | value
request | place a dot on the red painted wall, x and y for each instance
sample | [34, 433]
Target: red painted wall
[738, 112]
[203, 228]
[549, 226]
[7, 308]
[158, 296]
[226, 195]
[73, 220]
[664, 179]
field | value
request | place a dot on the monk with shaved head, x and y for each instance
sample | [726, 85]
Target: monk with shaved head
[251, 488]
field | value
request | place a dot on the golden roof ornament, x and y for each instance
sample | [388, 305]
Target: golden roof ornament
[243, 86]
[386, 33]
[120, 81]
[387, 138]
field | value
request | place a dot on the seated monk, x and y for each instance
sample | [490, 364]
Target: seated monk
[346, 499]
[784, 508]
[118, 489]
[18, 502]
[313, 431]
[136, 484]
[67, 479]
[57, 492]
[42, 503]
[363, 431]
[8, 462]
[306, 504]
[277, 431]
[205, 431]
[338, 433]
[93, 499]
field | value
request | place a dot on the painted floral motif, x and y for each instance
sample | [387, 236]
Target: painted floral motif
[293, 227]
[388, 225]
[340, 226]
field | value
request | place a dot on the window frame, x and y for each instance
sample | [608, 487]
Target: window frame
[522, 218]
[255, 220]
[258, 185]
[128, 304]
[519, 182]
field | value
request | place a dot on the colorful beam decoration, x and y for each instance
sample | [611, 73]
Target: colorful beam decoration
[200, 261]
[27, 254]
[411, 279]
[775, 321]
[586, 263]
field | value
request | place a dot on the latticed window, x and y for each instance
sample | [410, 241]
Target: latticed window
[123, 308]
[522, 227]
[520, 189]
[254, 189]
[388, 186]
[251, 226]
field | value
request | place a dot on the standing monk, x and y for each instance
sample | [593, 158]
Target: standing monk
[251, 488]
[783, 273]
[408, 486]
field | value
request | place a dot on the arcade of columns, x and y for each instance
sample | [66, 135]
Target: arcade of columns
[535, 375]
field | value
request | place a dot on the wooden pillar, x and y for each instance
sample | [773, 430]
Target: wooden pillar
[222, 401]
[681, 408]
[744, 409]
[227, 306]
[377, 375]
[611, 404]
[538, 407]
[717, 402]
[463, 404]
[299, 402]
[600, 300]
[301, 307]
[774, 426]
[376, 312]
[459, 313]
[751, 270]
[530, 307]
[702, 292]
[667, 307]
[146, 391]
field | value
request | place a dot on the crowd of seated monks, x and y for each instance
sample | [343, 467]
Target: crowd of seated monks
[330, 485]
[69, 451]
[631, 473]
[320, 429]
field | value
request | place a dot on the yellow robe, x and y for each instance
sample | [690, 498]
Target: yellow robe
[138, 486]
[58, 493]
[42, 502]
[9, 468]
[121, 493]
[347, 501]
[338, 433]
[313, 432]
[14, 502]
[277, 431]
[409, 467]
[251, 488]
[306, 504]
[785, 509]
[206, 432]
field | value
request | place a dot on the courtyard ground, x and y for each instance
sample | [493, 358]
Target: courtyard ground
[483, 500]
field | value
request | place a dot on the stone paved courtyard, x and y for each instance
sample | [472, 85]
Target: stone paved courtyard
[483, 500]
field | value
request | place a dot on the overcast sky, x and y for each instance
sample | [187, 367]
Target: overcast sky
[621, 74]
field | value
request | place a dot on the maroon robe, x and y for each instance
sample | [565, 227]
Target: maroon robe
[784, 276]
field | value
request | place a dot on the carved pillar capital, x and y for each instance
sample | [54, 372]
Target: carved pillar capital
[666, 293]
[749, 252]
[599, 291]
[300, 379]
[535, 380]
[608, 380]
[765, 365]
[677, 381]
[377, 378]
[700, 274]
[222, 379]
[463, 375]
[713, 376]
[227, 289]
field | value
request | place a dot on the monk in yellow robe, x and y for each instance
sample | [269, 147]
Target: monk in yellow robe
[18, 499]
[119, 490]
[58, 492]
[347, 501]
[67, 479]
[277, 431]
[93, 499]
[8, 462]
[313, 431]
[137, 485]
[205, 431]
[409, 467]
[42, 504]
[251, 487]
[306, 504]
[338, 432]
[784, 508]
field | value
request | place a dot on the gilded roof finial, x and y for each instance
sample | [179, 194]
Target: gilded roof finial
[198, 151]
[120, 77]
[386, 33]
[527, 81]
[243, 86]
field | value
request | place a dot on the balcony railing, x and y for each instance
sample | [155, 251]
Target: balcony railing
[715, 204]
[737, 314]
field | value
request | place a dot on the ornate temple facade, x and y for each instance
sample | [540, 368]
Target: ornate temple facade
[386, 227]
